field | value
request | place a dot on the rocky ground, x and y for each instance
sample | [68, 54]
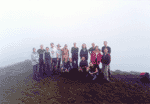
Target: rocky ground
[71, 88]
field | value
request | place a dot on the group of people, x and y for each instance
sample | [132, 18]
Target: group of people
[48, 60]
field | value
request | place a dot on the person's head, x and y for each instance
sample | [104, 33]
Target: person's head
[74, 44]
[34, 50]
[83, 58]
[93, 45]
[96, 48]
[41, 46]
[65, 46]
[47, 49]
[83, 45]
[58, 46]
[105, 43]
[90, 64]
[105, 50]
[52, 45]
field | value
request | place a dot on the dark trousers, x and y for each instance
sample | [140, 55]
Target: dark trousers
[54, 63]
[41, 66]
[58, 63]
[35, 68]
[75, 62]
[48, 66]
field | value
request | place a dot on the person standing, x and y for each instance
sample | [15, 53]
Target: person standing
[53, 53]
[41, 52]
[35, 62]
[96, 57]
[74, 51]
[65, 53]
[109, 52]
[105, 46]
[59, 55]
[92, 48]
[48, 61]
[84, 52]
[105, 64]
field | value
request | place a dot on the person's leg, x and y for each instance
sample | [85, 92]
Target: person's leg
[34, 69]
[76, 64]
[94, 76]
[106, 72]
[109, 71]
[55, 63]
[40, 68]
[59, 63]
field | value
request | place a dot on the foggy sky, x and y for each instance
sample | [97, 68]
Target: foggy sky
[124, 24]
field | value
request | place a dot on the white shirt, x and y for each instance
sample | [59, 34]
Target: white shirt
[53, 52]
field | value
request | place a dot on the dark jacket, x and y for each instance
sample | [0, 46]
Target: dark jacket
[109, 49]
[47, 57]
[74, 52]
[66, 65]
[83, 63]
[91, 49]
[106, 59]
[84, 54]
[41, 54]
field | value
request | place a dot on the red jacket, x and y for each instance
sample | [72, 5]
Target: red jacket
[93, 57]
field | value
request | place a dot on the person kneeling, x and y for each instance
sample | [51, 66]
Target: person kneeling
[93, 71]
[66, 67]
[83, 65]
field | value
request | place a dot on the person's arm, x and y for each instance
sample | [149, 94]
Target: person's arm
[80, 54]
[89, 51]
[33, 58]
[109, 50]
[87, 55]
[44, 57]
[71, 49]
[103, 50]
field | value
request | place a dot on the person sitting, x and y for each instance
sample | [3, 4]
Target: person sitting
[83, 65]
[93, 71]
[66, 67]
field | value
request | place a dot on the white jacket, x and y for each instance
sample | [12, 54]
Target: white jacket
[35, 58]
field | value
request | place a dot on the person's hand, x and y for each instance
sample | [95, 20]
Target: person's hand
[91, 73]
[57, 59]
